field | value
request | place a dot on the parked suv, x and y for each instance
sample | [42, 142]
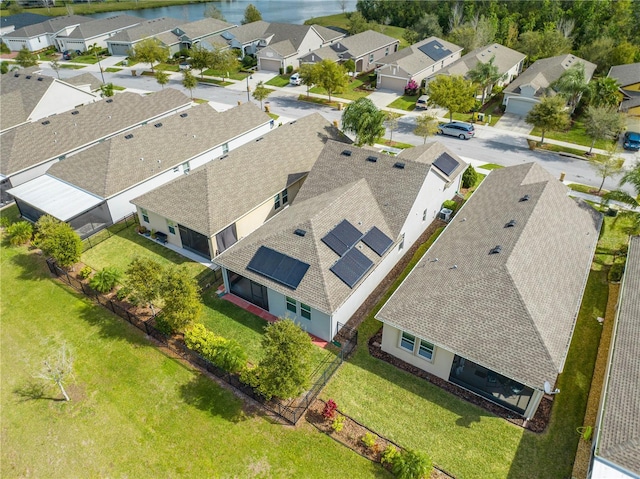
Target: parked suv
[69, 54]
[462, 130]
[631, 141]
[421, 104]
[295, 79]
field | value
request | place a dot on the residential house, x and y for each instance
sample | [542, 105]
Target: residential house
[492, 305]
[628, 77]
[353, 219]
[29, 150]
[365, 49]
[220, 203]
[10, 23]
[616, 449]
[535, 82]
[187, 35]
[93, 189]
[85, 81]
[124, 42]
[42, 35]
[416, 62]
[95, 32]
[28, 96]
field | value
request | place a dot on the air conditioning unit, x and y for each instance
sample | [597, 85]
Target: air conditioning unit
[445, 214]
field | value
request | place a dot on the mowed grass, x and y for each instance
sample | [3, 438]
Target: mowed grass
[349, 93]
[134, 411]
[404, 102]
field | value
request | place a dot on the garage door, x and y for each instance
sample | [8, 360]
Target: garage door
[519, 107]
[270, 65]
[120, 49]
[392, 83]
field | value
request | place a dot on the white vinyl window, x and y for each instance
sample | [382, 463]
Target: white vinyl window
[145, 215]
[407, 341]
[425, 350]
[292, 305]
[171, 226]
[305, 311]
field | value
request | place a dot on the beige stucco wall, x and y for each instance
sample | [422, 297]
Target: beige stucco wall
[159, 223]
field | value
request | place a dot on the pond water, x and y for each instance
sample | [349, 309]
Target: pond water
[282, 11]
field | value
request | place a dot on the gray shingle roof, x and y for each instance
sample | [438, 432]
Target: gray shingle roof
[120, 163]
[366, 42]
[145, 30]
[31, 144]
[327, 34]
[250, 32]
[544, 72]
[209, 198]
[513, 312]
[20, 20]
[619, 432]
[625, 74]
[204, 27]
[506, 58]
[338, 187]
[19, 97]
[413, 60]
[52, 25]
[84, 79]
[103, 25]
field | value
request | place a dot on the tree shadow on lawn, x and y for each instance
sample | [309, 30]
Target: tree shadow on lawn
[32, 390]
[203, 393]
[32, 265]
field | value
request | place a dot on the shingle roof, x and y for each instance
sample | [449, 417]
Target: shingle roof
[338, 187]
[413, 60]
[327, 34]
[31, 144]
[103, 25]
[120, 163]
[514, 311]
[365, 42]
[19, 96]
[250, 32]
[544, 72]
[209, 199]
[20, 20]
[505, 59]
[145, 30]
[204, 27]
[626, 74]
[84, 79]
[52, 25]
[619, 432]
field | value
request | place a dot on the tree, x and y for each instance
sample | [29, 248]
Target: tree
[26, 59]
[286, 365]
[58, 368]
[571, 84]
[391, 121]
[350, 66]
[357, 24]
[212, 12]
[251, 14]
[106, 89]
[548, 43]
[58, 240]
[308, 75]
[453, 93]
[201, 58]
[548, 115]
[55, 66]
[427, 26]
[603, 91]
[181, 298]
[607, 165]
[412, 465]
[189, 81]
[150, 51]
[469, 177]
[602, 123]
[426, 125]
[143, 277]
[632, 177]
[162, 78]
[365, 120]
[599, 51]
[485, 75]
[331, 76]
[223, 61]
[261, 92]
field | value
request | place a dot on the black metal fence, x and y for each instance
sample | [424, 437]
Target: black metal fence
[109, 231]
[291, 411]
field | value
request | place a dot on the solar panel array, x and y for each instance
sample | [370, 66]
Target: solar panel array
[435, 50]
[341, 238]
[278, 267]
[446, 163]
[377, 241]
[352, 267]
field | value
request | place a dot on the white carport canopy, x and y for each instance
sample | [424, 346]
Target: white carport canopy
[54, 197]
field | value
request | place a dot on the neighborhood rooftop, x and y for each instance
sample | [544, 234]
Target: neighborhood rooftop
[102, 26]
[279, 32]
[130, 158]
[415, 58]
[355, 45]
[145, 29]
[502, 285]
[194, 30]
[19, 94]
[505, 59]
[33, 143]
[209, 198]
[52, 25]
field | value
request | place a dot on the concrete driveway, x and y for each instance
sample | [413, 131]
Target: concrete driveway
[514, 123]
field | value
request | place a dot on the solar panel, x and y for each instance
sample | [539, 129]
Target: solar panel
[446, 163]
[435, 50]
[352, 267]
[342, 237]
[377, 241]
[278, 267]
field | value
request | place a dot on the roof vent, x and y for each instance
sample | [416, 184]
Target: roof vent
[346, 152]
[399, 165]
[129, 136]
[28, 77]
[372, 159]
[510, 224]
[524, 198]
[16, 75]
[184, 115]
[158, 125]
[109, 100]
[292, 122]
[299, 232]
[75, 112]
[46, 122]
[496, 250]
[224, 156]
[260, 139]
[40, 78]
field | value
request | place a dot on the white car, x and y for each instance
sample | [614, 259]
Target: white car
[295, 79]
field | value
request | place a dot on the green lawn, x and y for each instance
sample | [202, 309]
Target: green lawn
[112, 70]
[134, 411]
[12, 213]
[348, 93]
[576, 135]
[167, 67]
[88, 59]
[557, 148]
[491, 166]
[214, 82]
[234, 75]
[279, 81]
[320, 101]
[66, 66]
[405, 102]
[584, 188]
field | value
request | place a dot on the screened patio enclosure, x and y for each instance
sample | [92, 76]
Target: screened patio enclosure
[491, 385]
[194, 241]
[248, 290]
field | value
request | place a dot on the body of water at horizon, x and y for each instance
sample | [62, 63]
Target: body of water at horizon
[280, 11]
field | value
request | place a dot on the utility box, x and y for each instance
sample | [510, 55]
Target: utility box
[445, 214]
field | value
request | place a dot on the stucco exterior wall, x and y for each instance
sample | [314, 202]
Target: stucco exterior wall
[319, 325]
[32, 44]
[159, 223]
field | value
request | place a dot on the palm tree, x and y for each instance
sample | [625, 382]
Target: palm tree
[486, 75]
[572, 84]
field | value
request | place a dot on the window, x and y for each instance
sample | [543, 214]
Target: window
[276, 201]
[407, 341]
[292, 305]
[424, 215]
[401, 244]
[145, 215]
[386, 52]
[285, 196]
[176, 169]
[425, 350]
[225, 148]
[186, 168]
[371, 58]
[172, 227]
[305, 311]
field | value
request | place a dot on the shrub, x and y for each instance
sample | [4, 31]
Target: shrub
[249, 61]
[450, 204]
[616, 271]
[105, 280]
[58, 240]
[281, 71]
[141, 229]
[123, 292]
[289, 69]
[469, 177]
[180, 294]
[20, 233]
[163, 325]
[412, 465]
[338, 423]
[4, 67]
[227, 354]
[389, 455]
[85, 272]
[5, 221]
[329, 411]
[369, 440]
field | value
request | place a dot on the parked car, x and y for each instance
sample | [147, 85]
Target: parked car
[421, 104]
[295, 79]
[462, 130]
[68, 54]
[631, 141]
